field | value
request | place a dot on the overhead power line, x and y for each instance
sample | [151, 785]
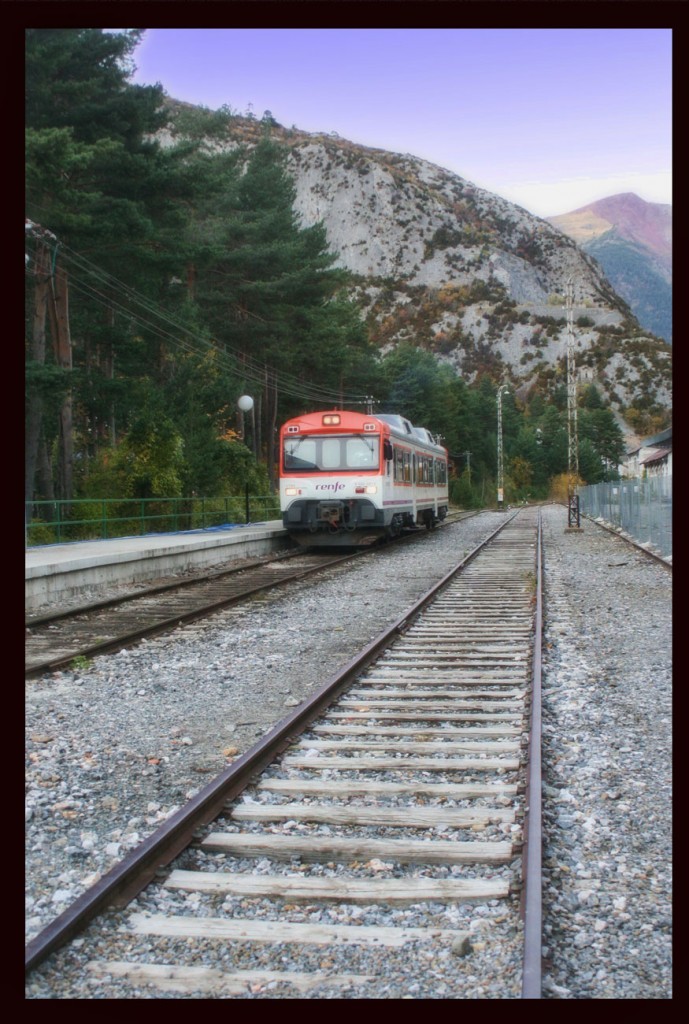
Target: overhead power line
[102, 287]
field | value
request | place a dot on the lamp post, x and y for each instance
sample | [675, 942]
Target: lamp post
[245, 403]
[501, 474]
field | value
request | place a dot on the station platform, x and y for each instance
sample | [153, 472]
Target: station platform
[64, 571]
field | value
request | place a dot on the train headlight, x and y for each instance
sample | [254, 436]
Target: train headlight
[291, 492]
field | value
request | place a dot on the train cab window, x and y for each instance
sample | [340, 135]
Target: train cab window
[362, 452]
[300, 453]
[333, 454]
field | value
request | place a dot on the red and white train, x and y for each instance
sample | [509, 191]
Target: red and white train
[349, 479]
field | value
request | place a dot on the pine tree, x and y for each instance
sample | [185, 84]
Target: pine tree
[89, 175]
[268, 288]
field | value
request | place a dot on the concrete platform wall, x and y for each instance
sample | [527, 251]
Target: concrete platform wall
[83, 569]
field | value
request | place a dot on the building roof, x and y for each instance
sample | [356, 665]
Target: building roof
[663, 439]
[657, 455]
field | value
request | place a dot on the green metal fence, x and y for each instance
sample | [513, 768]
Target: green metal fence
[58, 522]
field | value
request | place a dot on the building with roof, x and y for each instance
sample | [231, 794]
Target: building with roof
[653, 457]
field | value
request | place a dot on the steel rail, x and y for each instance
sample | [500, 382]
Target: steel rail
[157, 588]
[629, 540]
[164, 625]
[532, 897]
[127, 878]
[200, 577]
[114, 643]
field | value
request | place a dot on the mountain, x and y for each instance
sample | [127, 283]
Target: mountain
[632, 241]
[437, 261]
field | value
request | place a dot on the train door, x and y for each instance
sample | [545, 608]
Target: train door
[388, 473]
[436, 484]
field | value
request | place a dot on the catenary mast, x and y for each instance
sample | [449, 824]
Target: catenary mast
[572, 433]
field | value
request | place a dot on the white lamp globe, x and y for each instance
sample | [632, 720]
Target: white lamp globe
[245, 403]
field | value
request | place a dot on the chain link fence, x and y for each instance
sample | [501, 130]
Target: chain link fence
[642, 508]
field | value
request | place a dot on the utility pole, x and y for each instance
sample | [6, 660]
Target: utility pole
[51, 298]
[468, 455]
[573, 517]
[501, 474]
[62, 344]
[39, 269]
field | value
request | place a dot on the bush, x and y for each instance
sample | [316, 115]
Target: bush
[462, 493]
[38, 533]
[559, 487]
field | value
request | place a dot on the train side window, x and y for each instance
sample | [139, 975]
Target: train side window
[399, 464]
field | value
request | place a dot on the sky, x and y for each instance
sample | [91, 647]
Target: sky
[550, 119]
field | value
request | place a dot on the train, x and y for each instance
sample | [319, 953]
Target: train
[351, 479]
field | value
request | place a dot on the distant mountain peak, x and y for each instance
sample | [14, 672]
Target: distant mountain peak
[647, 224]
[632, 241]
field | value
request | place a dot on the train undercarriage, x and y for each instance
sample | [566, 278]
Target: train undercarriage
[353, 523]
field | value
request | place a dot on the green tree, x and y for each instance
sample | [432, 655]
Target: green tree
[554, 441]
[591, 398]
[269, 289]
[86, 165]
[590, 464]
[599, 426]
[78, 79]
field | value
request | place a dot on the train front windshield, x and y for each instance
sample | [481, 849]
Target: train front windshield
[331, 453]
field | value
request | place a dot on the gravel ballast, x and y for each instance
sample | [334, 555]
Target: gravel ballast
[113, 749]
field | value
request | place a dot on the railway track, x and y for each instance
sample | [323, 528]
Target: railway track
[630, 541]
[390, 809]
[56, 639]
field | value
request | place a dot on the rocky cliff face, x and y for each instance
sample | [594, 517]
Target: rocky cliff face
[480, 282]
